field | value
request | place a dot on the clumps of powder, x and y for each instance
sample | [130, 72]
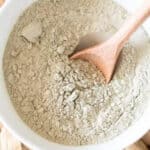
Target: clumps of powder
[68, 101]
[32, 31]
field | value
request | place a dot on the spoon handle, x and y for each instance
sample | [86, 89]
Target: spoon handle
[131, 25]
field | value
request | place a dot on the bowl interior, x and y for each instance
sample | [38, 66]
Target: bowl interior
[8, 16]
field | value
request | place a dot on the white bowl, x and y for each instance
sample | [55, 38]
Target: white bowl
[8, 16]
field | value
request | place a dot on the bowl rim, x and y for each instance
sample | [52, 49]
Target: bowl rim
[34, 141]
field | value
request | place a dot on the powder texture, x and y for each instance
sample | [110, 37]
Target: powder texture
[68, 101]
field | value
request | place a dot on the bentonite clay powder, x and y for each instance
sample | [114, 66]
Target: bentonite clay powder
[68, 101]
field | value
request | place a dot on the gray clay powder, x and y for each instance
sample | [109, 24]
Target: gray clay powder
[68, 101]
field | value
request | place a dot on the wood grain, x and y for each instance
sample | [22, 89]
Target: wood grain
[146, 138]
[138, 146]
[8, 142]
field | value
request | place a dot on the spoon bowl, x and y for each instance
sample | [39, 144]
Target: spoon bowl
[105, 55]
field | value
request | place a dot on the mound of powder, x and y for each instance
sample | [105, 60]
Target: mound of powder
[68, 101]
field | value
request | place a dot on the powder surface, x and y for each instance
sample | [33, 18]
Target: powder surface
[68, 101]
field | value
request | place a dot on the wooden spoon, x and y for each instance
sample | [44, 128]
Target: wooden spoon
[105, 55]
